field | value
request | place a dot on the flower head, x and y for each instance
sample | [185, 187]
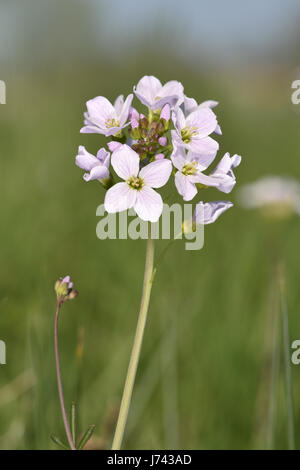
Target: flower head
[192, 132]
[97, 168]
[209, 212]
[190, 104]
[277, 196]
[64, 289]
[190, 167]
[104, 118]
[224, 173]
[137, 190]
[153, 94]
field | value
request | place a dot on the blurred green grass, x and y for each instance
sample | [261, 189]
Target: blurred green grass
[216, 300]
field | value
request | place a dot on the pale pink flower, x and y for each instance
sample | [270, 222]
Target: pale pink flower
[137, 190]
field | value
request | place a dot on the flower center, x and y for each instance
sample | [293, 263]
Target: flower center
[187, 133]
[134, 182]
[189, 168]
[112, 123]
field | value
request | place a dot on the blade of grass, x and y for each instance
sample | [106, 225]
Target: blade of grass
[287, 368]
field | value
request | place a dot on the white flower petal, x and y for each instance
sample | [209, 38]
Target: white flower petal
[123, 116]
[99, 110]
[97, 173]
[147, 89]
[125, 162]
[157, 173]
[185, 187]
[85, 160]
[119, 198]
[148, 205]
[209, 212]
[204, 120]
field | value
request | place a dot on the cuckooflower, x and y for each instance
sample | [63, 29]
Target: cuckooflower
[192, 132]
[190, 105]
[209, 212]
[104, 118]
[137, 190]
[64, 289]
[277, 196]
[153, 94]
[97, 167]
[224, 173]
[190, 167]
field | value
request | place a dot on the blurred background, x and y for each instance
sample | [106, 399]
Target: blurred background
[212, 372]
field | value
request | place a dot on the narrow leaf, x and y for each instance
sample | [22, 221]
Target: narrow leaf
[58, 442]
[87, 435]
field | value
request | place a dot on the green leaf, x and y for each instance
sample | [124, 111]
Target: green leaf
[87, 435]
[58, 442]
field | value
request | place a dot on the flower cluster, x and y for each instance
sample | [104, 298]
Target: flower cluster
[64, 289]
[275, 196]
[174, 137]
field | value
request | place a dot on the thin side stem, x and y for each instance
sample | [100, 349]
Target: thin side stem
[59, 382]
[137, 344]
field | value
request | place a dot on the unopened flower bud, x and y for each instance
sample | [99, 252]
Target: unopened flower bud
[113, 145]
[163, 141]
[64, 289]
[159, 156]
[144, 123]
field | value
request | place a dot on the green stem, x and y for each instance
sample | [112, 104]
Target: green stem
[137, 344]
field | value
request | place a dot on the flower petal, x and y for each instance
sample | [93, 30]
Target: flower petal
[149, 204]
[97, 173]
[147, 89]
[157, 173]
[119, 198]
[118, 104]
[125, 162]
[99, 110]
[85, 160]
[185, 187]
[209, 212]
[203, 160]
[206, 146]
[204, 120]
[123, 116]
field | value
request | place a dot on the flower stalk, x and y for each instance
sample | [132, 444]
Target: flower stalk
[59, 382]
[137, 344]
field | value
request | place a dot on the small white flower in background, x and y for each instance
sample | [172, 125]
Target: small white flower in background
[147, 146]
[276, 196]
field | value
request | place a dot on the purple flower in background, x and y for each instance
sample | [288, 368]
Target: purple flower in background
[224, 173]
[97, 167]
[209, 212]
[190, 167]
[104, 118]
[137, 190]
[154, 95]
[192, 132]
